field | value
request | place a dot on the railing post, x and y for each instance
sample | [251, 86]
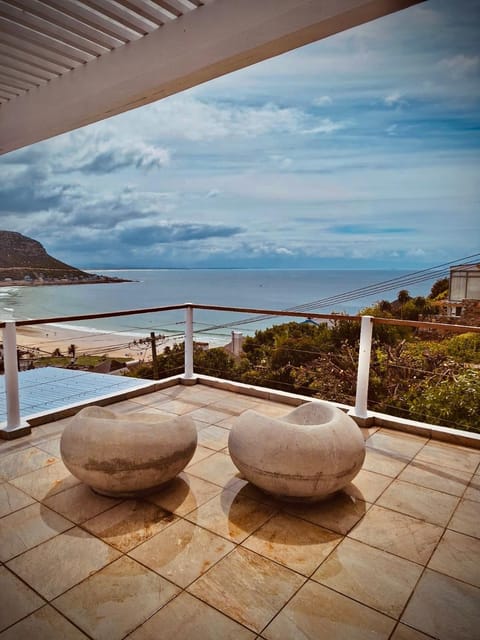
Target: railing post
[11, 376]
[363, 371]
[188, 375]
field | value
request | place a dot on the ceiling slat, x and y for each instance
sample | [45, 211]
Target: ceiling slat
[52, 30]
[8, 62]
[9, 90]
[144, 10]
[75, 25]
[62, 61]
[44, 42]
[120, 15]
[18, 75]
[31, 60]
[16, 83]
[169, 8]
[93, 19]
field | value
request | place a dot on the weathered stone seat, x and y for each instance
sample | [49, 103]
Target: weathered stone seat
[126, 455]
[310, 453]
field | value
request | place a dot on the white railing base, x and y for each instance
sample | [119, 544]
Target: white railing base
[15, 432]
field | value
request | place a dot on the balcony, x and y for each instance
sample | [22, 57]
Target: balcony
[395, 555]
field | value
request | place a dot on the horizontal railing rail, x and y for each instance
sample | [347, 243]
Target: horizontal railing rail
[366, 328]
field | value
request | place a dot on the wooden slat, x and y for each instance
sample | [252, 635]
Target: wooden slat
[93, 19]
[50, 29]
[40, 54]
[9, 91]
[25, 35]
[31, 60]
[144, 10]
[169, 8]
[37, 8]
[8, 62]
[120, 15]
[18, 76]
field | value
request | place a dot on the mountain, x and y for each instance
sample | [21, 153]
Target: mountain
[26, 260]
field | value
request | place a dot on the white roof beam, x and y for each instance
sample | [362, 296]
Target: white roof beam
[220, 37]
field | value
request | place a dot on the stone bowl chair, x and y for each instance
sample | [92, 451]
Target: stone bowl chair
[126, 455]
[308, 454]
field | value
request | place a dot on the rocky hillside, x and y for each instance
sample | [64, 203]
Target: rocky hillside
[25, 260]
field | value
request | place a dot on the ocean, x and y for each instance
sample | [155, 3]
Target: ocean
[254, 288]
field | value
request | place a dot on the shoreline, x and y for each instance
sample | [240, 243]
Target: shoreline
[47, 338]
[56, 283]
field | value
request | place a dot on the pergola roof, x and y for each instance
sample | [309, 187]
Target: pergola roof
[67, 63]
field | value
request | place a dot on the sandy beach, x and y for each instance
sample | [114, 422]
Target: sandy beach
[47, 338]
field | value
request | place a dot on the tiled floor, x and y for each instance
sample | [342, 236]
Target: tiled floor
[396, 555]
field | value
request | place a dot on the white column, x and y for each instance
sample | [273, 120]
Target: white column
[11, 375]
[363, 371]
[236, 342]
[188, 343]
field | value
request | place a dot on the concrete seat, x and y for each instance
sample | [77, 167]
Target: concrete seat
[127, 454]
[308, 454]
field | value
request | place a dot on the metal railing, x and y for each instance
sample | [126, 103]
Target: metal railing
[14, 419]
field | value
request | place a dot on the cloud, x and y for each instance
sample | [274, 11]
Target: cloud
[326, 126]
[394, 99]
[166, 232]
[461, 65]
[323, 101]
[106, 156]
[364, 229]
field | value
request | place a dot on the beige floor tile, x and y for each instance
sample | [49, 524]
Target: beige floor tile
[115, 600]
[388, 464]
[130, 523]
[403, 445]
[367, 485]
[241, 487]
[402, 632]
[28, 527]
[293, 542]
[419, 502]
[444, 479]
[46, 482]
[79, 503]
[339, 513]
[178, 407]
[247, 587]
[444, 608]
[44, 624]
[227, 423]
[274, 409]
[18, 600]
[373, 577]
[60, 563]
[231, 515]
[200, 454]
[397, 533]
[473, 489]
[217, 468]
[209, 414]
[151, 398]
[458, 556]
[446, 455]
[318, 612]
[182, 552]
[214, 438]
[51, 446]
[466, 518]
[184, 493]
[235, 404]
[22, 462]
[186, 618]
[12, 499]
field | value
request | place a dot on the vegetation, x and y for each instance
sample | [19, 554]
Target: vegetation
[425, 377]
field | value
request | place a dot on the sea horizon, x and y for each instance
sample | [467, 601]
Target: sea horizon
[276, 289]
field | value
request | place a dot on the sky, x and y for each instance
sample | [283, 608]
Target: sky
[361, 151]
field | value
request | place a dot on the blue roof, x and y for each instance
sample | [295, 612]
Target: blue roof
[45, 390]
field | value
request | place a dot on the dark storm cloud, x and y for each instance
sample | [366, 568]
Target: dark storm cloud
[169, 232]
